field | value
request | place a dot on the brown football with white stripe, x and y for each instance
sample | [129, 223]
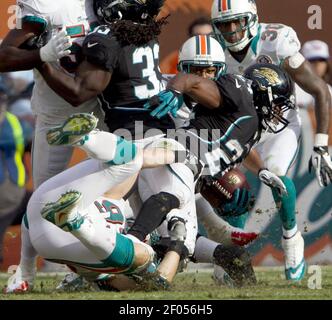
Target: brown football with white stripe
[221, 190]
[230, 181]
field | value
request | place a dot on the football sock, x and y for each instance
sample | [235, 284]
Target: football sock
[288, 204]
[107, 147]
[204, 250]
[28, 253]
[217, 229]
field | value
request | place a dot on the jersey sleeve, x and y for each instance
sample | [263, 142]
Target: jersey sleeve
[35, 11]
[102, 49]
[288, 44]
[236, 91]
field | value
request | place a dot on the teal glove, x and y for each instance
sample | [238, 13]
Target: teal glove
[164, 102]
[240, 203]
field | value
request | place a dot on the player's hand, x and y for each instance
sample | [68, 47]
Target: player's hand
[164, 102]
[321, 163]
[56, 48]
[273, 181]
[240, 203]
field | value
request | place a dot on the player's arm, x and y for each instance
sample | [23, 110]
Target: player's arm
[311, 83]
[14, 58]
[203, 91]
[254, 163]
[90, 80]
[320, 161]
[300, 70]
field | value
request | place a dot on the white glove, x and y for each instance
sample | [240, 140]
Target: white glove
[320, 160]
[273, 181]
[57, 47]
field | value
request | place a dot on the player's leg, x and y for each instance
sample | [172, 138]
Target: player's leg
[105, 251]
[218, 229]
[162, 191]
[234, 260]
[278, 153]
[23, 278]
[47, 161]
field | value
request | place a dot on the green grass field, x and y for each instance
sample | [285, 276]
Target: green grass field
[189, 286]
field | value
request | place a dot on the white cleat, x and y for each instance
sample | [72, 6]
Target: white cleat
[295, 265]
[16, 283]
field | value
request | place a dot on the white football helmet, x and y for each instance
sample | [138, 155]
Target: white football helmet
[229, 10]
[202, 51]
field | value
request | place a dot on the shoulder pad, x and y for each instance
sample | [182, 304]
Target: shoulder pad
[280, 39]
[101, 48]
[38, 6]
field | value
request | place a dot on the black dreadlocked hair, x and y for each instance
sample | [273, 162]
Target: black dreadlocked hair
[128, 32]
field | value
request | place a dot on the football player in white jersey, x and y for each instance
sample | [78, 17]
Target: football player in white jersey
[246, 42]
[39, 22]
[93, 242]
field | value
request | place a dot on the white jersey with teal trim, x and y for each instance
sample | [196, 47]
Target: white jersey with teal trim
[78, 18]
[273, 44]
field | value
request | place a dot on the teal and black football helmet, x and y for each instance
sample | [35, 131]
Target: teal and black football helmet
[273, 91]
[109, 11]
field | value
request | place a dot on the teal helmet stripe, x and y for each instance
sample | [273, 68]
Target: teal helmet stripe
[198, 46]
[229, 4]
[208, 44]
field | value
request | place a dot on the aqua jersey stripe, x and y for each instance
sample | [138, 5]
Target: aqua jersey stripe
[226, 135]
[198, 46]
[123, 253]
[254, 42]
[229, 4]
[25, 220]
[121, 258]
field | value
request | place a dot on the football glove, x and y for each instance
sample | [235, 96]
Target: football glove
[164, 102]
[273, 181]
[56, 48]
[320, 160]
[240, 203]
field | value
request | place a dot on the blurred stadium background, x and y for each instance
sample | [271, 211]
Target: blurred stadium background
[314, 204]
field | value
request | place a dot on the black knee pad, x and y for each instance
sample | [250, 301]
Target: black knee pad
[153, 213]
[236, 261]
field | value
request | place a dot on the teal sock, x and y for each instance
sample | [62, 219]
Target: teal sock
[288, 204]
[237, 221]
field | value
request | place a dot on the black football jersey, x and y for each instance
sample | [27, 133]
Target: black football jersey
[136, 77]
[234, 124]
[236, 118]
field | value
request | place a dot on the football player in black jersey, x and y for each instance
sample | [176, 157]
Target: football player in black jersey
[231, 111]
[121, 64]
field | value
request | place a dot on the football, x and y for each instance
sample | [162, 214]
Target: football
[232, 180]
[220, 190]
